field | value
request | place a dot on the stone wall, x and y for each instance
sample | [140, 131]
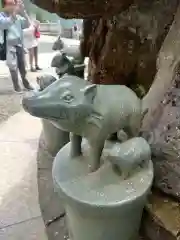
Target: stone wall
[55, 29]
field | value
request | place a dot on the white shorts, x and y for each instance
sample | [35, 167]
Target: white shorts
[30, 40]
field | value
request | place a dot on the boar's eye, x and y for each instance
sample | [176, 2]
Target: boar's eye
[68, 98]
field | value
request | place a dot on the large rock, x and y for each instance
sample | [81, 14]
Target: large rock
[84, 8]
[161, 126]
[161, 219]
[163, 133]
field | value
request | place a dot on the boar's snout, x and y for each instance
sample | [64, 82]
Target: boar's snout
[39, 106]
[29, 103]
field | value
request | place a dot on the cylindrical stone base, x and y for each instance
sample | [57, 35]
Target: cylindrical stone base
[100, 205]
[54, 138]
[121, 224]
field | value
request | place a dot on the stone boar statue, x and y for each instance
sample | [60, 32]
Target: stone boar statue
[70, 50]
[127, 156]
[90, 111]
[58, 44]
[62, 64]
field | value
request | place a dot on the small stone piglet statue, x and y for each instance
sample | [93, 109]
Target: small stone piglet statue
[127, 156]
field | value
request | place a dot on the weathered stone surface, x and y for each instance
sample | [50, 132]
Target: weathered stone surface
[164, 136]
[161, 125]
[124, 49]
[161, 219]
[84, 8]
[168, 58]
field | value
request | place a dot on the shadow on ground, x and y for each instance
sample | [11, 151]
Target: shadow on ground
[50, 204]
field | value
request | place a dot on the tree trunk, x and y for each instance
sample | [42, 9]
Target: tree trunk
[84, 8]
[124, 49]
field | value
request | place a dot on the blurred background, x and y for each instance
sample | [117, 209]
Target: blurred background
[53, 24]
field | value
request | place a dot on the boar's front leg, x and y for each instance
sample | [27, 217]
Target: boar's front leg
[75, 145]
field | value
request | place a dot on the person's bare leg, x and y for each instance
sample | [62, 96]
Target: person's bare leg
[36, 58]
[31, 58]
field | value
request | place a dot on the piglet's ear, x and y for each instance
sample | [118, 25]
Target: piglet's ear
[90, 92]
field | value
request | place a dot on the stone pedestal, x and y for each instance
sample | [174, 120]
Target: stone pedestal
[54, 138]
[100, 205]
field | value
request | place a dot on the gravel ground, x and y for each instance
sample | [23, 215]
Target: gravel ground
[10, 102]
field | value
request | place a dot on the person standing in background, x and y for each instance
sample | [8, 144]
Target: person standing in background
[13, 19]
[31, 36]
[75, 31]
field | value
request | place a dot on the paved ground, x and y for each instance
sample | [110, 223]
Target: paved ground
[9, 101]
[20, 152]
[20, 215]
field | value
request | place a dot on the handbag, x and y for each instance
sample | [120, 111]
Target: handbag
[3, 47]
[36, 33]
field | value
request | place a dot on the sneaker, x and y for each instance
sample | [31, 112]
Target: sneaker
[18, 90]
[27, 85]
[38, 68]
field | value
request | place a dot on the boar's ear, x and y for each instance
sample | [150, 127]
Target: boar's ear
[90, 92]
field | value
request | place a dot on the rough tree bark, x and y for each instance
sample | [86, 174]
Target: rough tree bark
[123, 48]
[129, 43]
[84, 8]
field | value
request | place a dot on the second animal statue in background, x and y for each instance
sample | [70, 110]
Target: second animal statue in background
[45, 80]
[72, 50]
[62, 64]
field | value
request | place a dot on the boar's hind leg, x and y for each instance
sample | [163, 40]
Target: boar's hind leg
[75, 145]
[95, 155]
